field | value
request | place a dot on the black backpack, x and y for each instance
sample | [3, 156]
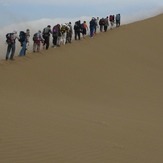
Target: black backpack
[35, 37]
[22, 36]
[9, 38]
[92, 23]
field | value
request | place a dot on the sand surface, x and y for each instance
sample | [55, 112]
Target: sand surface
[96, 100]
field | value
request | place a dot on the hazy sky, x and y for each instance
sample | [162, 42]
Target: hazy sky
[12, 11]
[36, 14]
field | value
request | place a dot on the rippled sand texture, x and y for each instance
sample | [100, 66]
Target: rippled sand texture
[96, 100]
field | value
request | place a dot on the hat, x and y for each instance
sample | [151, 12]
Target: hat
[49, 26]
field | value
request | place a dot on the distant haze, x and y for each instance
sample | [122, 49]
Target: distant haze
[35, 15]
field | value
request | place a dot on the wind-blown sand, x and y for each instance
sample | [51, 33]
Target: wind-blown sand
[93, 101]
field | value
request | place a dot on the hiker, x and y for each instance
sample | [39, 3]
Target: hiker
[11, 41]
[55, 34]
[46, 35]
[118, 18]
[106, 24]
[85, 28]
[63, 33]
[24, 39]
[92, 25]
[95, 28]
[37, 39]
[97, 24]
[27, 38]
[111, 19]
[77, 29]
[101, 23]
[69, 33]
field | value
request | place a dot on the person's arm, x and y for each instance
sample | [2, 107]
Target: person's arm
[40, 36]
[16, 37]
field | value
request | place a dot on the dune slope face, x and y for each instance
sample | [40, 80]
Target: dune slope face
[95, 100]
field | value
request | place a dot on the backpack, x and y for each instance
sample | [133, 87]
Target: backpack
[22, 36]
[82, 25]
[35, 37]
[92, 23]
[46, 32]
[63, 29]
[55, 29]
[111, 18]
[100, 22]
[9, 38]
[118, 17]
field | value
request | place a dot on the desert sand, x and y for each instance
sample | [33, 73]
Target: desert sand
[96, 100]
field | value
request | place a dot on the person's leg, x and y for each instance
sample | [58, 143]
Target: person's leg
[55, 40]
[47, 43]
[100, 28]
[70, 36]
[67, 35]
[22, 51]
[12, 51]
[105, 28]
[58, 40]
[8, 51]
[94, 33]
[38, 46]
[64, 38]
[79, 35]
[91, 31]
[75, 35]
[34, 46]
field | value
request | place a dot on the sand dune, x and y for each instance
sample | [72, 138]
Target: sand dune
[93, 101]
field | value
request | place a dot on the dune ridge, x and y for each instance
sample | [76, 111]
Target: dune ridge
[95, 100]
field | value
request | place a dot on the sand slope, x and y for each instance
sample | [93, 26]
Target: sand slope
[93, 101]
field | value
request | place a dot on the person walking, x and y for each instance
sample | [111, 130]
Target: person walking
[63, 31]
[46, 35]
[69, 33]
[77, 29]
[11, 41]
[118, 18]
[101, 23]
[37, 39]
[85, 28]
[111, 19]
[106, 24]
[55, 34]
[97, 24]
[24, 43]
[95, 28]
[92, 25]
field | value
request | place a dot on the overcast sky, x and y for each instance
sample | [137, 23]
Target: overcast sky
[12, 11]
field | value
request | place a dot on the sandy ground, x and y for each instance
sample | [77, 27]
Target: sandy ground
[96, 100]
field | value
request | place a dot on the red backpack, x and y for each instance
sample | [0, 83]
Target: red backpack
[111, 18]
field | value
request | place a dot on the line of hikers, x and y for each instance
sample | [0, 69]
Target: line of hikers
[61, 33]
